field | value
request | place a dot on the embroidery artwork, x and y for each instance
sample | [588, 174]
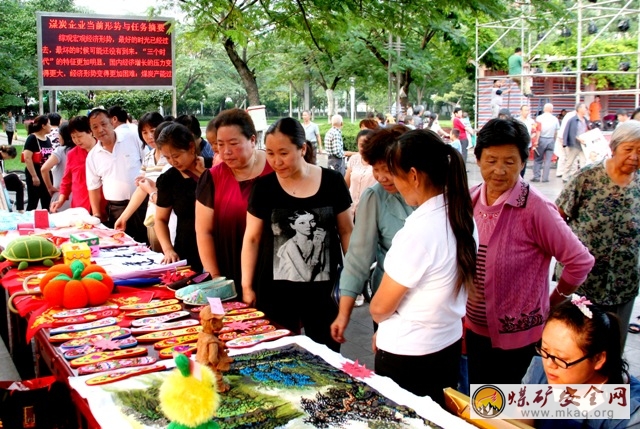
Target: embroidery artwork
[509, 325]
[285, 386]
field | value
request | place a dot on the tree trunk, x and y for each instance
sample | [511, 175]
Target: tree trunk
[307, 95]
[420, 94]
[331, 103]
[246, 74]
[405, 82]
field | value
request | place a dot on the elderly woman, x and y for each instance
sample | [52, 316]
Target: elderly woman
[223, 195]
[580, 345]
[381, 213]
[601, 204]
[520, 231]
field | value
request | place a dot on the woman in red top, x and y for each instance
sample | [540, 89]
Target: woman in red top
[74, 180]
[223, 195]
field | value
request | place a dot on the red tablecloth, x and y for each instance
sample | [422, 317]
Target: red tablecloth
[40, 312]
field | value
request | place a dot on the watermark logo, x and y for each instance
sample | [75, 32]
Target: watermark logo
[488, 401]
[550, 401]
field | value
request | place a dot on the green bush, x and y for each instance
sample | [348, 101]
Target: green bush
[136, 103]
[74, 102]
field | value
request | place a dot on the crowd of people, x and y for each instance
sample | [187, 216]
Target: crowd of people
[450, 262]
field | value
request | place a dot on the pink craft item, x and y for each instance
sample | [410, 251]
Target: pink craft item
[357, 370]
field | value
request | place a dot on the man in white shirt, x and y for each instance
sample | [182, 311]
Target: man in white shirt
[126, 131]
[311, 131]
[543, 150]
[112, 167]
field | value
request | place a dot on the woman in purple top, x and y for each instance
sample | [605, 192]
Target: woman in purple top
[520, 231]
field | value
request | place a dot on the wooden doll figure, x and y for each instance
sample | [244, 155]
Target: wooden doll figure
[211, 350]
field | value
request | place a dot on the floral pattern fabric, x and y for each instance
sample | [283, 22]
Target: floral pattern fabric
[606, 218]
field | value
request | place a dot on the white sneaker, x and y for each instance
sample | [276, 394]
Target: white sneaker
[359, 300]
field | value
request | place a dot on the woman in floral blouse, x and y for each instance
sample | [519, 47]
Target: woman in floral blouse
[602, 206]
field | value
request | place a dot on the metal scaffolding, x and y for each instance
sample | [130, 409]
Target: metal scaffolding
[578, 16]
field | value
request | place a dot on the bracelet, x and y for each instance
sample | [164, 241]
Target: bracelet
[152, 194]
[563, 295]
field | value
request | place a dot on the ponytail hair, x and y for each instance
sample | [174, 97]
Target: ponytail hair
[9, 150]
[432, 119]
[65, 137]
[444, 167]
[39, 122]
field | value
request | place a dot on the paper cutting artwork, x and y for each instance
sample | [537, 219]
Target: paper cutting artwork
[288, 387]
[356, 370]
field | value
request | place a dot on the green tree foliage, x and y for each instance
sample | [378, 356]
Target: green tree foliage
[18, 56]
[136, 103]
[204, 73]
[72, 103]
[556, 51]
[553, 53]
[235, 25]
[461, 93]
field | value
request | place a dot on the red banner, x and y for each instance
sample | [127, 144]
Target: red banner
[98, 52]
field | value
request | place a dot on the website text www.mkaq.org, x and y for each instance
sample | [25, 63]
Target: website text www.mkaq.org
[567, 414]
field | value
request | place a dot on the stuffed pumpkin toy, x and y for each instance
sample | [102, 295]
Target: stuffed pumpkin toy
[76, 286]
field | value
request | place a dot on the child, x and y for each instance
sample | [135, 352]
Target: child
[455, 139]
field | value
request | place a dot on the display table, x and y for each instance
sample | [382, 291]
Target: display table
[292, 382]
[297, 381]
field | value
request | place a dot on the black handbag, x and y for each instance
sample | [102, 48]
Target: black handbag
[41, 403]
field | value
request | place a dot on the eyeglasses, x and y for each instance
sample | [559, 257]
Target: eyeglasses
[556, 360]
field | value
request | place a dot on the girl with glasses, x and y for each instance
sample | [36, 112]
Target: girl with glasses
[581, 345]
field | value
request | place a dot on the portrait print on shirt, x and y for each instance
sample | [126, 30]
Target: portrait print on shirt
[302, 244]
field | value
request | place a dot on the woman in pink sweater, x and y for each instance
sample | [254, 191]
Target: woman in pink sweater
[520, 231]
